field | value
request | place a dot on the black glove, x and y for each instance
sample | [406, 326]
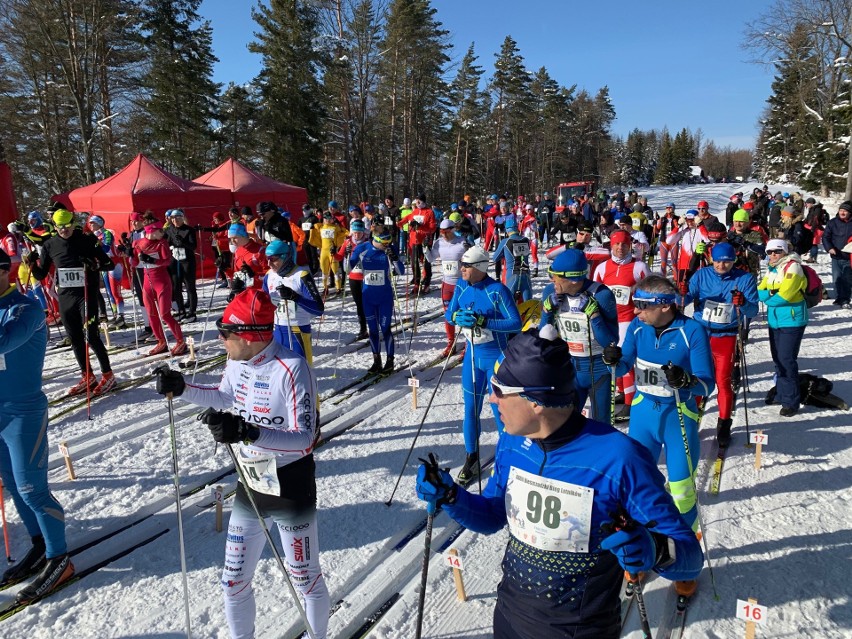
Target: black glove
[169, 381]
[237, 285]
[245, 268]
[125, 238]
[391, 253]
[287, 293]
[228, 428]
[676, 377]
[612, 354]
[90, 264]
[413, 224]
[32, 258]
[144, 257]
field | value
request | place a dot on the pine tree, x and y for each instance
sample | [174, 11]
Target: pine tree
[467, 129]
[238, 117]
[664, 171]
[181, 92]
[293, 112]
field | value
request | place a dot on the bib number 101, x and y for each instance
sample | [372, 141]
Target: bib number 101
[544, 510]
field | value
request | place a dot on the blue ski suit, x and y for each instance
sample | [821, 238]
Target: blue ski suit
[293, 317]
[514, 252]
[378, 293]
[23, 419]
[586, 338]
[557, 580]
[494, 301]
[654, 420]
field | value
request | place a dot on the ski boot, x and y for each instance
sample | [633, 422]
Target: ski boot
[377, 365]
[160, 348]
[106, 384]
[388, 368]
[83, 385]
[470, 469]
[448, 351]
[788, 411]
[686, 589]
[362, 334]
[32, 562]
[189, 318]
[56, 570]
[180, 348]
[723, 432]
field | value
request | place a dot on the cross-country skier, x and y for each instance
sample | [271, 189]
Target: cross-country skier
[249, 260]
[328, 237]
[724, 298]
[79, 259]
[529, 229]
[553, 467]
[375, 259]
[585, 315]
[112, 279]
[24, 444]
[183, 241]
[421, 226]
[265, 403]
[485, 311]
[299, 300]
[512, 259]
[449, 248]
[358, 234]
[134, 269]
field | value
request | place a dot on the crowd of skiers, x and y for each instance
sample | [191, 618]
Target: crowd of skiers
[607, 329]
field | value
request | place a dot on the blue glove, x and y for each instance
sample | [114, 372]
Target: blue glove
[464, 318]
[635, 549]
[434, 485]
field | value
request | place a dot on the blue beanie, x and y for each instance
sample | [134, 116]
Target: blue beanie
[511, 222]
[723, 252]
[332, 204]
[570, 264]
[539, 360]
[357, 225]
[237, 230]
[278, 248]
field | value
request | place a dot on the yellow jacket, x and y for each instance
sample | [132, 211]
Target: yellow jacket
[327, 237]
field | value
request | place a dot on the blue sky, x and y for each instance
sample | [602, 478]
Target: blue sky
[675, 63]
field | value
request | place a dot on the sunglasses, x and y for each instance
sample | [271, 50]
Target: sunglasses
[226, 330]
[703, 208]
[469, 264]
[774, 252]
[645, 304]
[501, 390]
[62, 227]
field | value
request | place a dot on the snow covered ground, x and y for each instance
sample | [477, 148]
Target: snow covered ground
[780, 534]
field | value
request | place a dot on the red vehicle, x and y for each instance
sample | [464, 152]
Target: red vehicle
[568, 191]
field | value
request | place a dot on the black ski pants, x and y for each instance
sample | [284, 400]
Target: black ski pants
[183, 275]
[72, 306]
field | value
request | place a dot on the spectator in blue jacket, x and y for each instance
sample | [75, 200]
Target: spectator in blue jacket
[559, 479]
[836, 236]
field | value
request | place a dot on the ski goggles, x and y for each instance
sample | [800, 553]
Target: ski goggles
[226, 330]
[570, 275]
[501, 390]
[383, 239]
[643, 300]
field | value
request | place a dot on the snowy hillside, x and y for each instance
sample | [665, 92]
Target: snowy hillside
[780, 534]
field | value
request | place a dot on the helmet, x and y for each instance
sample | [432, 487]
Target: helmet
[477, 258]
[279, 248]
[723, 252]
[570, 264]
[63, 217]
[97, 219]
[741, 215]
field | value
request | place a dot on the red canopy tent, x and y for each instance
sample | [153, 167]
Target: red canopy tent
[8, 208]
[142, 185]
[250, 187]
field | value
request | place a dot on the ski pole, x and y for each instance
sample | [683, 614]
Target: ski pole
[592, 402]
[5, 526]
[86, 322]
[477, 417]
[612, 396]
[744, 374]
[176, 475]
[398, 310]
[689, 465]
[132, 274]
[248, 491]
[340, 328]
[433, 477]
[422, 421]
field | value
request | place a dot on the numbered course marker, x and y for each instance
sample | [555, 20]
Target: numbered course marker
[218, 498]
[752, 614]
[759, 439]
[455, 562]
[69, 466]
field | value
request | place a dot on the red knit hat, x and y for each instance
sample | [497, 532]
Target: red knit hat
[250, 315]
[620, 237]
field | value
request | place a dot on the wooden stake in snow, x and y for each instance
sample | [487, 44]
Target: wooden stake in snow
[759, 439]
[415, 384]
[752, 614]
[69, 466]
[106, 335]
[456, 563]
[190, 341]
[217, 497]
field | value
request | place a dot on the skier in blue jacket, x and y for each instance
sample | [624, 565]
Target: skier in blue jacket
[486, 313]
[375, 259]
[585, 315]
[725, 298]
[512, 259]
[23, 442]
[671, 355]
[559, 480]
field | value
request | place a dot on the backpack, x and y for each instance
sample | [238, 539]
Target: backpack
[814, 291]
[805, 240]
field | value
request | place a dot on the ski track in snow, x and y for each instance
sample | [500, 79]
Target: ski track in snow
[780, 534]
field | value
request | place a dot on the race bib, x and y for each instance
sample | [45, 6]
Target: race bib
[327, 234]
[153, 256]
[717, 312]
[548, 514]
[520, 249]
[307, 226]
[247, 279]
[574, 329]
[637, 224]
[179, 253]
[261, 473]
[285, 313]
[651, 379]
[2, 362]
[419, 219]
[451, 268]
[478, 335]
[374, 278]
[70, 277]
[388, 220]
[621, 294]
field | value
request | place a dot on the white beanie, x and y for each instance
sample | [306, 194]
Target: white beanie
[774, 245]
[476, 257]
[406, 201]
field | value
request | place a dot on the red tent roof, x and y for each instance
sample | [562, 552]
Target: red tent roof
[250, 187]
[8, 208]
[143, 185]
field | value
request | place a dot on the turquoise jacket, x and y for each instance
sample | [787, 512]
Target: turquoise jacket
[782, 290]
